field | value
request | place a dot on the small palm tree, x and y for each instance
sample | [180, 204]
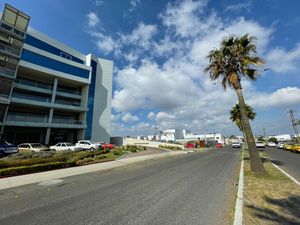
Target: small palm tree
[233, 60]
[235, 115]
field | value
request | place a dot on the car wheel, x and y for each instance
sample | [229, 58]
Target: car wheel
[92, 149]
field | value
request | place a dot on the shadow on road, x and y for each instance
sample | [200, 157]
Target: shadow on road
[281, 211]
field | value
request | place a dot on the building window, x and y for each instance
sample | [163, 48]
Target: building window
[66, 56]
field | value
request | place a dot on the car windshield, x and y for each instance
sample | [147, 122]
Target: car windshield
[36, 145]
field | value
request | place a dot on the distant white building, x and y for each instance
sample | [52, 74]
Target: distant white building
[184, 136]
[281, 137]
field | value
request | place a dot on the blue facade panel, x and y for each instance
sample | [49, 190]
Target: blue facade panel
[30, 40]
[44, 61]
[89, 116]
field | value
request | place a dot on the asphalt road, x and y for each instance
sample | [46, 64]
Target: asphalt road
[194, 188]
[286, 160]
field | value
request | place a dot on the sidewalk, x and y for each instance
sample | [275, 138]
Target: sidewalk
[17, 181]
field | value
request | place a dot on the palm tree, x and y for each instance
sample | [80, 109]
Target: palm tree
[235, 116]
[235, 59]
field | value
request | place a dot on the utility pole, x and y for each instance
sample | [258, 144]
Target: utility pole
[294, 124]
[265, 133]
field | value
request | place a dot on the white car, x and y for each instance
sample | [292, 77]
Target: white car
[65, 146]
[260, 144]
[280, 145]
[271, 144]
[36, 147]
[236, 145]
[87, 145]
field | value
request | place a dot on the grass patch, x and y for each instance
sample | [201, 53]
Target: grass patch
[271, 199]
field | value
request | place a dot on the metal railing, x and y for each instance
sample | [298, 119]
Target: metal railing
[65, 102]
[33, 83]
[13, 30]
[26, 117]
[69, 91]
[66, 121]
[10, 49]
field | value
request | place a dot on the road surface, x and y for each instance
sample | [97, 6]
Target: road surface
[194, 188]
[286, 160]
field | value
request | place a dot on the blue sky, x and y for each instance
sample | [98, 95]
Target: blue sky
[159, 48]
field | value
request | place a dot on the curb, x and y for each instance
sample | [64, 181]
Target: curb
[285, 173]
[238, 212]
[16, 181]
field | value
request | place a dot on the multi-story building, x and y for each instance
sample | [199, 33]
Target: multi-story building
[48, 91]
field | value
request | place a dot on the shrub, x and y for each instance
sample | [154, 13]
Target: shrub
[174, 148]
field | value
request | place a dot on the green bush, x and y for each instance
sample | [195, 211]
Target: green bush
[32, 168]
[174, 148]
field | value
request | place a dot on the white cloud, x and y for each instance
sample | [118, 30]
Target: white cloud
[129, 118]
[151, 115]
[93, 19]
[288, 96]
[140, 36]
[134, 4]
[182, 17]
[239, 7]
[282, 61]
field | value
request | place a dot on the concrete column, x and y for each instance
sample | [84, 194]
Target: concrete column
[47, 138]
[48, 132]
[54, 90]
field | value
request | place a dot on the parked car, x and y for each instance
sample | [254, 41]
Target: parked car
[219, 145]
[236, 145]
[65, 146]
[260, 144]
[36, 147]
[287, 147]
[104, 145]
[87, 145]
[295, 148]
[271, 144]
[7, 148]
[280, 145]
[190, 145]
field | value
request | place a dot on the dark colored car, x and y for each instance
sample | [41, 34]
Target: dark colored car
[7, 148]
[219, 145]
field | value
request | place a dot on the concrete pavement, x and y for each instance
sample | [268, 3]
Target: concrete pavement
[286, 160]
[193, 188]
[16, 181]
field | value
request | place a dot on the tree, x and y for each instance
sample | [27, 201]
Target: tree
[235, 115]
[273, 139]
[235, 59]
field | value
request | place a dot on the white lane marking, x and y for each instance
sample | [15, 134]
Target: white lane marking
[289, 176]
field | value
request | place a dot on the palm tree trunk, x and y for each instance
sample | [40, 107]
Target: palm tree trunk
[256, 164]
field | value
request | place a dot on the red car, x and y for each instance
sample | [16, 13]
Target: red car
[219, 145]
[106, 146]
[190, 145]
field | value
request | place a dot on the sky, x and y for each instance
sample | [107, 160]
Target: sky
[159, 51]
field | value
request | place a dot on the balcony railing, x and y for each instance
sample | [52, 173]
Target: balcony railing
[11, 50]
[65, 102]
[26, 117]
[66, 121]
[31, 97]
[7, 72]
[12, 30]
[69, 91]
[33, 83]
